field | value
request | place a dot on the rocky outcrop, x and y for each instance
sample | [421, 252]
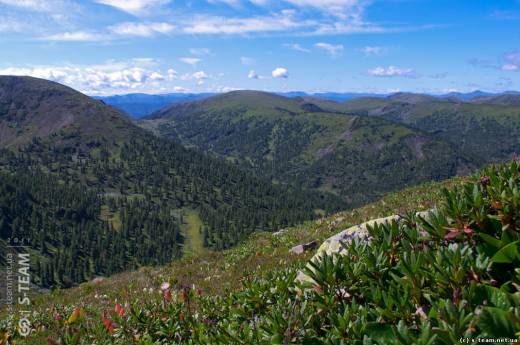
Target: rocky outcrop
[333, 244]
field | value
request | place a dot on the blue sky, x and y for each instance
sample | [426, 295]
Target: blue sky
[160, 46]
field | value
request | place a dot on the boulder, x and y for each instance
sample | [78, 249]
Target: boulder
[301, 248]
[333, 244]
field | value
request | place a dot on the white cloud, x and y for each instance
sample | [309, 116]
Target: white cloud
[246, 61]
[282, 21]
[510, 67]
[172, 74]
[200, 75]
[179, 89]
[190, 60]
[512, 62]
[110, 77]
[340, 8]
[280, 72]
[78, 36]
[141, 29]
[233, 3]
[34, 5]
[200, 51]
[392, 71]
[252, 74]
[135, 7]
[10, 25]
[297, 47]
[333, 49]
[370, 51]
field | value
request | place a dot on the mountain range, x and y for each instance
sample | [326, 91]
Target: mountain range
[91, 186]
[138, 105]
[296, 141]
[88, 186]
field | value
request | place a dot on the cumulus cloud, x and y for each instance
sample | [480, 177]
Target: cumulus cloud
[135, 7]
[190, 60]
[199, 75]
[512, 62]
[96, 79]
[333, 49]
[297, 47]
[252, 74]
[141, 29]
[280, 72]
[391, 71]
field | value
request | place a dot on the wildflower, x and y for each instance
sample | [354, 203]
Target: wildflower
[109, 325]
[165, 286]
[119, 310]
[57, 316]
[76, 315]
[51, 341]
[420, 312]
[167, 296]
[485, 181]
[198, 292]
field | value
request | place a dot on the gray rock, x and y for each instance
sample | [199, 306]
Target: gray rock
[301, 248]
[333, 244]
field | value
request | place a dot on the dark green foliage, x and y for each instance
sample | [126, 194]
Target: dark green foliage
[486, 132]
[95, 194]
[293, 141]
[69, 240]
[455, 275]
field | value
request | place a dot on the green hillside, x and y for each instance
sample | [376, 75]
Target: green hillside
[416, 282]
[294, 141]
[487, 130]
[99, 192]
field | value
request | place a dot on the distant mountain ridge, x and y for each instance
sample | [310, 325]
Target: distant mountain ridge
[139, 105]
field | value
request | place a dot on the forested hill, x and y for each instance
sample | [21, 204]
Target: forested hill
[301, 142]
[486, 129]
[79, 179]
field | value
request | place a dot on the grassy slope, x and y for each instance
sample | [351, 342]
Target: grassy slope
[217, 272]
[194, 240]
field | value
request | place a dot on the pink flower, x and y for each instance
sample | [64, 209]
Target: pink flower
[165, 286]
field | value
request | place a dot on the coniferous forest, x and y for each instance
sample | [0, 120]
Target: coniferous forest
[94, 205]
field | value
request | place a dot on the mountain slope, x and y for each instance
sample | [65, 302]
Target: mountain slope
[97, 182]
[448, 276]
[31, 107]
[485, 130]
[295, 141]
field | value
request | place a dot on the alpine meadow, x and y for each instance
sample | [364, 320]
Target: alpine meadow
[291, 172]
